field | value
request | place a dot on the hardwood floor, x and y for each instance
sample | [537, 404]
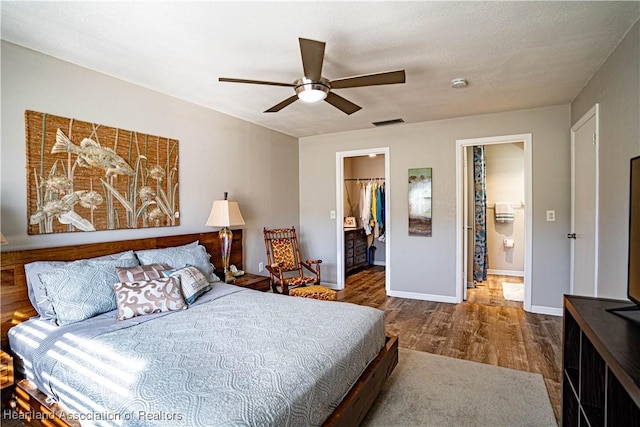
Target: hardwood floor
[486, 328]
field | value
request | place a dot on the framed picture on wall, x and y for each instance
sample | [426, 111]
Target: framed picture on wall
[420, 202]
[84, 176]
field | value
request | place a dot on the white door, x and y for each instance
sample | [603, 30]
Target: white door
[584, 205]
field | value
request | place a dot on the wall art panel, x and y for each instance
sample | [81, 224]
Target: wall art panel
[84, 176]
[420, 202]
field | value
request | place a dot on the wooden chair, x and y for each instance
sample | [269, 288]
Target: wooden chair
[284, 263]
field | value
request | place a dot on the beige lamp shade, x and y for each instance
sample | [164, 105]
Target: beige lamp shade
[225, 213]
[3, 240]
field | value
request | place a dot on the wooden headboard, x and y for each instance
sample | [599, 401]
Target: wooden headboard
[15, 306]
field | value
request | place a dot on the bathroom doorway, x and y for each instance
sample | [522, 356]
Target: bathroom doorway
[494, 218]
[362, 178]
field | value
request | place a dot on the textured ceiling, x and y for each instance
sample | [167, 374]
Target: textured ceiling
[515, 55]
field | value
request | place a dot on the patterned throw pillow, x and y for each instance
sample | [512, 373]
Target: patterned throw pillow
[83, 289]
[141, 272]
[179, 257]
[147, 297]
[192, 282]
[37, 291]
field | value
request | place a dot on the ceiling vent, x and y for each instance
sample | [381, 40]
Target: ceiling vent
[388, 122]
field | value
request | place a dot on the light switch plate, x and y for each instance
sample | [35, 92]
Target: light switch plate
[551, 216]
[332, 214]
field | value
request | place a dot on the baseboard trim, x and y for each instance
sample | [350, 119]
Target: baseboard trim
[551, 311]
[333, 286]
[515, 273]
[381, 263]
[423, 297]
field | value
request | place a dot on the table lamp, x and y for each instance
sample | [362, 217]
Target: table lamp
[225, 213]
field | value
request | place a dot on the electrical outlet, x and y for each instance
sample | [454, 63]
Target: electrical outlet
[260, 267]
[551, 216]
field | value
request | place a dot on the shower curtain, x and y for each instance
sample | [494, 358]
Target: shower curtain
[480, 253]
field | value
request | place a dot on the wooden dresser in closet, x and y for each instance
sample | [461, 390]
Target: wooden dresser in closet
[355, 249]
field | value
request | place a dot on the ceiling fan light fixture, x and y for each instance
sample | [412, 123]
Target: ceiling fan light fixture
[311, 92]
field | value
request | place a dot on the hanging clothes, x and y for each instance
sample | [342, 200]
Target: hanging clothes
[365, 207]
[379, 204]
[381, 215]
[374, 211]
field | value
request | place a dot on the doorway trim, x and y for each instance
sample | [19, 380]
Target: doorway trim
[526, 139]
[340, 156]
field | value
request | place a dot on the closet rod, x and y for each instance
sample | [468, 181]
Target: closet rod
[363, 179]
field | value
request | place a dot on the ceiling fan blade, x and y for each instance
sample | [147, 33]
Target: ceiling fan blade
[385, 78]
[256, 82]
[342, 104]
[312, 57]
[283, 104]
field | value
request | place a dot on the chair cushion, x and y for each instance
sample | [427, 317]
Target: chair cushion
[315, 292]
[283, 253]
[300, 280]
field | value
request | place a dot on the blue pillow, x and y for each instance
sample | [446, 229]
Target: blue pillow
[83, 289]
[192, 282]
[36, 289]
[179, 257]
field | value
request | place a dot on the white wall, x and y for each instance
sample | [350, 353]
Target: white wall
[505, 183]
[616, 87]
[218, 153]
[426, 265]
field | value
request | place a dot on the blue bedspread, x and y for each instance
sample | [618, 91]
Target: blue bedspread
[236, 358]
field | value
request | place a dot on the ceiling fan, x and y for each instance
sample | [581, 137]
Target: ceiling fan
[315, 88]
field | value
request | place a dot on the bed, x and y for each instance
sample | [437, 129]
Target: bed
[234, 357]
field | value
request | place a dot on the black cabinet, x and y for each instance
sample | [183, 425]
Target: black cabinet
[601, 364]
[355, 250]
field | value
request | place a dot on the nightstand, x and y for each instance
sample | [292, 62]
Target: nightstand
[6, 376]
[253, 281]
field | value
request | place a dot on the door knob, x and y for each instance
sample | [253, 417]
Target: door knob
[571, 236]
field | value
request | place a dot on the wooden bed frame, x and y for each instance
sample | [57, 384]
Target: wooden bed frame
[15, 308]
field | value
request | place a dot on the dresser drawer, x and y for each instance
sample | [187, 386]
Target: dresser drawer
[355, 249]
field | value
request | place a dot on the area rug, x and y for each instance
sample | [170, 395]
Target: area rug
[430, 390]
[513, 291]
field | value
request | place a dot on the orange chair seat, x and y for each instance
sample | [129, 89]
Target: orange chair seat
[315, 292]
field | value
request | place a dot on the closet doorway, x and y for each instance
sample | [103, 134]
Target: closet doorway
[494, 225]
[357, 170]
